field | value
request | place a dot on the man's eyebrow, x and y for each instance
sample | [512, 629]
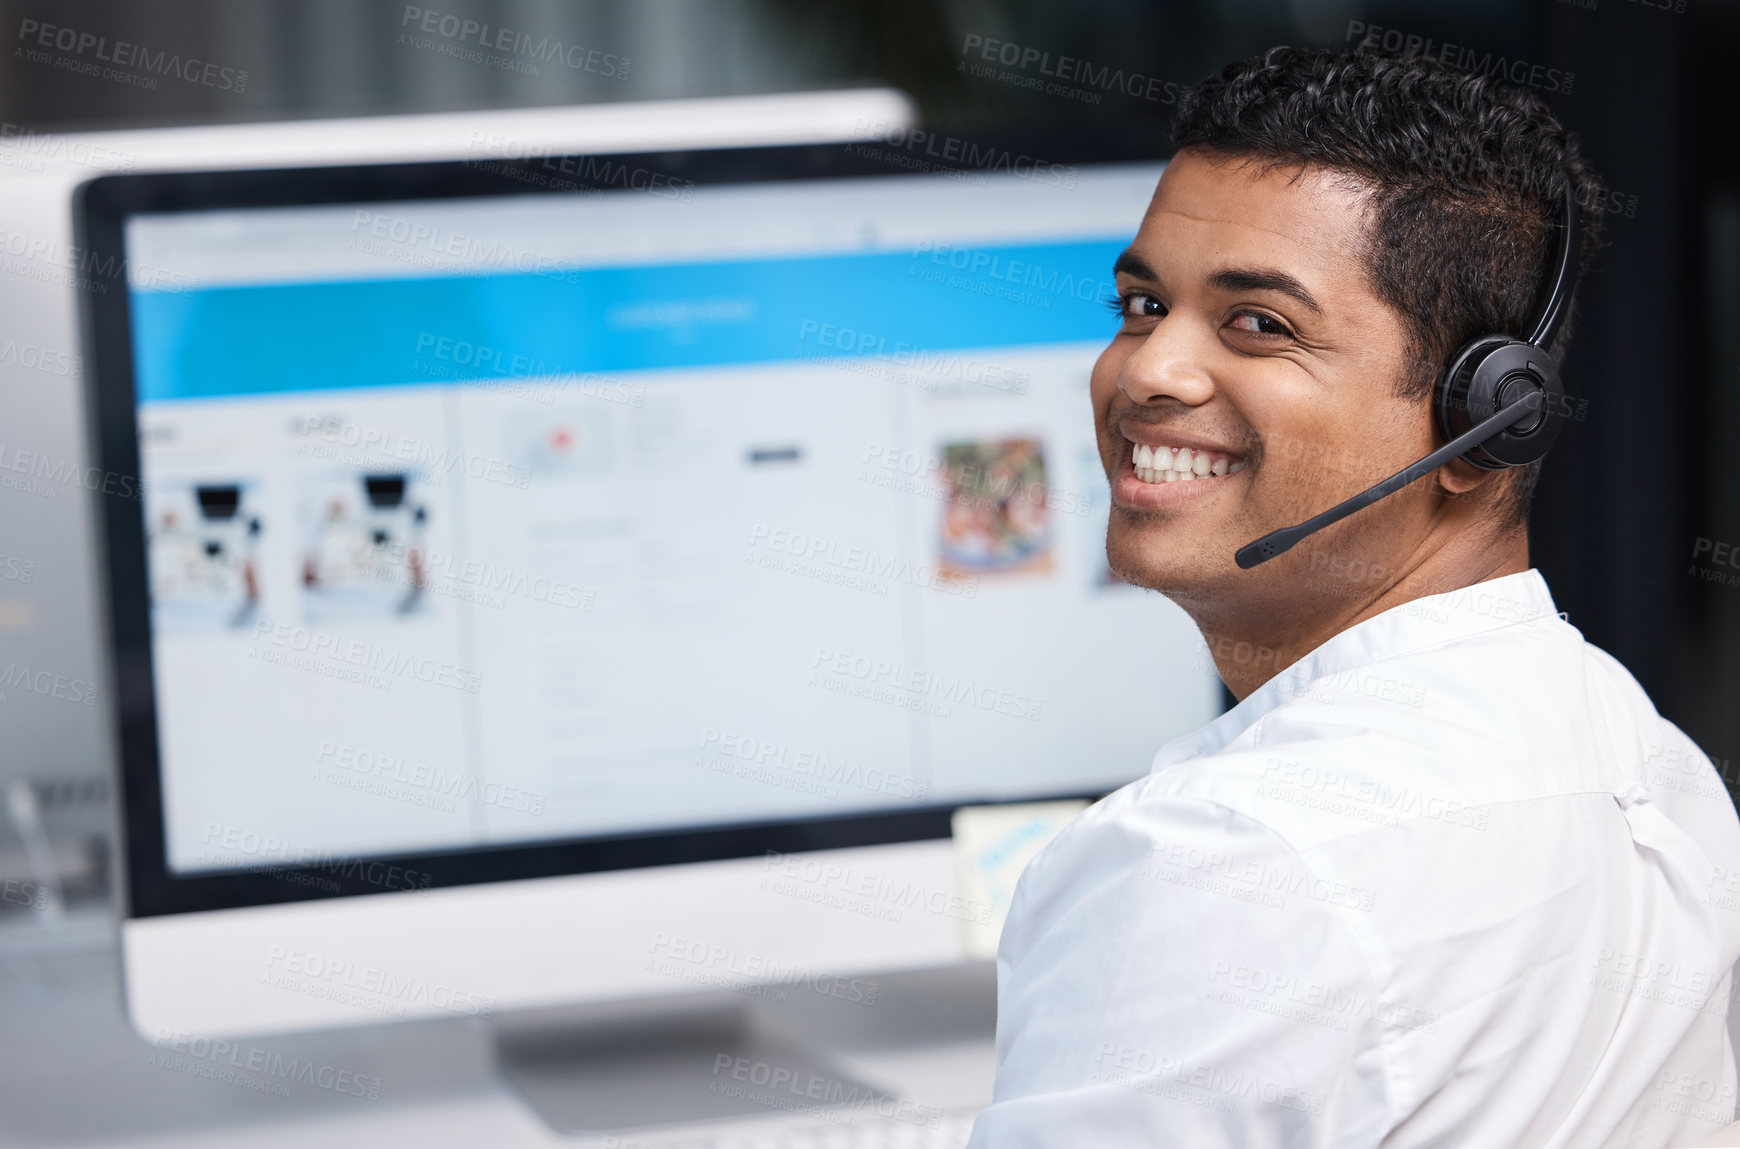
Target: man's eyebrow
[1129, 263]
[1262, 279]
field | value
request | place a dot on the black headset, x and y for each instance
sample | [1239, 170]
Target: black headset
[1499, 402]
[1494, 371]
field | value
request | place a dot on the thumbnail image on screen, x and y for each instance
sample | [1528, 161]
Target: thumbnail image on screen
[995, 519]
[203, 540]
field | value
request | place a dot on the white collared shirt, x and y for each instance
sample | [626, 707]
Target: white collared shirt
[1447, 880]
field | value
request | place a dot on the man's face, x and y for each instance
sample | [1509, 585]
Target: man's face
[1250, 335]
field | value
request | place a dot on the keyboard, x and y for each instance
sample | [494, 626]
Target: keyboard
[945, 1130]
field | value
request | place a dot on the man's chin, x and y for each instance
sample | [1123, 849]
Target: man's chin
[1141, 559]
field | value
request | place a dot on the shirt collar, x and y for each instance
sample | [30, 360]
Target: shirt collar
[1513, 600]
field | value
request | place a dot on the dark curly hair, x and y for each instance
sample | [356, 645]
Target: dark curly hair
[1466, 176]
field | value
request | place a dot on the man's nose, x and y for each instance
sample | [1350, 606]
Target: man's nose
[1169, 364]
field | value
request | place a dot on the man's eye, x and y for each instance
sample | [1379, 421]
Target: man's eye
[1135, 305]
[1256, 323]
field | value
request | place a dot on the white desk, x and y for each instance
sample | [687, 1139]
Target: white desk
[73, 1073]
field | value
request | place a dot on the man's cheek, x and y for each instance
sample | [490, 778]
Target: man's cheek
[1103, 381]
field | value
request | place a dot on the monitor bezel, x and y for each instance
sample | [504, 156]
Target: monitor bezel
[101, 209]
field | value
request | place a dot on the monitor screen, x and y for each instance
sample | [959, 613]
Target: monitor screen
[487, 520]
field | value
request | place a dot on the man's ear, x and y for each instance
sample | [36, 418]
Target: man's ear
[1459, 477]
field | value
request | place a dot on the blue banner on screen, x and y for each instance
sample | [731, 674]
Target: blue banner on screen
[266, 339]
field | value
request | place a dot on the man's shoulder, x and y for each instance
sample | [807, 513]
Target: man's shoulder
[1271, 807]
[1320, 777]
[1529, 712]
[1143, 852]
[1430, 745]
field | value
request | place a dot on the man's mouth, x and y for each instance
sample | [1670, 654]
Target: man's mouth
[1158, 463]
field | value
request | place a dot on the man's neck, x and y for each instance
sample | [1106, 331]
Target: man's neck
[1251, 644]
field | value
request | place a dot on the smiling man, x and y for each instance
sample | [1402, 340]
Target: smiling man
[1443, 876]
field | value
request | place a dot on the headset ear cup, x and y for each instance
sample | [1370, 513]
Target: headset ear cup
[1455, 385]
[1493, 372]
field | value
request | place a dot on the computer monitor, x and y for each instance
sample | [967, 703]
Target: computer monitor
[553, 579]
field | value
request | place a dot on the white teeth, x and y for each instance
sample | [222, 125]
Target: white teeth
[1163, 465]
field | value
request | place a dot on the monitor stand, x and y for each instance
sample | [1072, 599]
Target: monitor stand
[723, 1055]
[664, 1064]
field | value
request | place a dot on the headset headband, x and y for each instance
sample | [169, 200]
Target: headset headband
[1564, 281]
